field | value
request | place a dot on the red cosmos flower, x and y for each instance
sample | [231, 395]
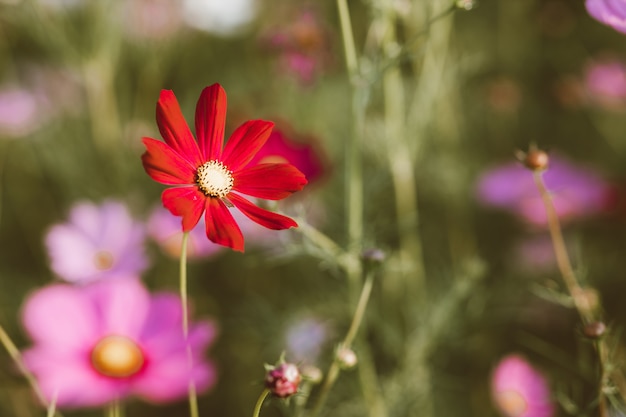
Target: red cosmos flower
[208, 179]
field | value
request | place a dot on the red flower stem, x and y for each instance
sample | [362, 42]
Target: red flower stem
[259, 402]
[193, 400]
[19, 362]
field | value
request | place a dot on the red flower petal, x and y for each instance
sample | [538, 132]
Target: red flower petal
[270, 181]
[175, 130]
[221, 227]
[188, 202]
[210, 121]
[166, 166]
[263, 217]
[245, 142]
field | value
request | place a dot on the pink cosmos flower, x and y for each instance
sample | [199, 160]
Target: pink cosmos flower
[518, 390]
[609, 12]
[302, 46]
[281, 147]
[97, 242]
[605, 82]
[19, 112]
[576, 192]
[165, 229]
[106, 341]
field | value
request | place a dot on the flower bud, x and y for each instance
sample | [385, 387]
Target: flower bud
[534, 159]
[346, 357]
[594, 330]
[283, 380]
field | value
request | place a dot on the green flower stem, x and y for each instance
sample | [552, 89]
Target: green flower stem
[560, 252]
[183, 282]
[348, 38]
[335, 367]
[52, 407]
[325, 244]
[113, 410]
[575, 289]
[193, 400]
[259, 402]
[402, 168]
[16, 356]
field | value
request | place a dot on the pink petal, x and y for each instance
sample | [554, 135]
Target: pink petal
[245, 142]
[188, 202]
[221, 228]
[263, 217]
[175, 130]
[210, 121]
[270, 181]
[72, 379]
[123, 305]
[165, 313]
[61, 318]
[166, 166]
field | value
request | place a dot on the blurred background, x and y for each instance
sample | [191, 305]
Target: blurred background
[79, 81]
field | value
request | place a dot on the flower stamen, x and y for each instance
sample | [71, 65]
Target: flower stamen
[214, 179]
[117, 357]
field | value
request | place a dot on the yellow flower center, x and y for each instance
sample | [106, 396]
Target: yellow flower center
[117, 357]
[512, 403]
[103, 260]
[214, 179]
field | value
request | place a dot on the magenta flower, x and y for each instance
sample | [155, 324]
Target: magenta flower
[609, 12]
[518, 390]
[576, 192]
[97, 242]
[165, 229]
[106, 341]
[304, 155]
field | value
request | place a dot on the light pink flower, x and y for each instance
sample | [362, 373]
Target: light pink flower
[165, 229]
[102, 342]
[518, 390]
[97, 242]
[576, 191]
[19, 112]
[609, 12]
[605, 82]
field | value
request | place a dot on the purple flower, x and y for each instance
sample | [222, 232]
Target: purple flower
[576, 192]
[165, 229]
[305, 339]
[608, 12]
[102, 342]
[97, 242]
[518, 390]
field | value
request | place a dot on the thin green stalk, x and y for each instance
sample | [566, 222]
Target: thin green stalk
[193, 400]
[259, 402]
[113, 410]
[183, 282]
[335, 367]
[52, 407]
[348, 38]
[19, 362]
[402, 169]
[560, 251]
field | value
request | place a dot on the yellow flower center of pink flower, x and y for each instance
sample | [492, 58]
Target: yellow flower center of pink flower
[117, 357]
[103, 260]
[214, 179]
[512, 403]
